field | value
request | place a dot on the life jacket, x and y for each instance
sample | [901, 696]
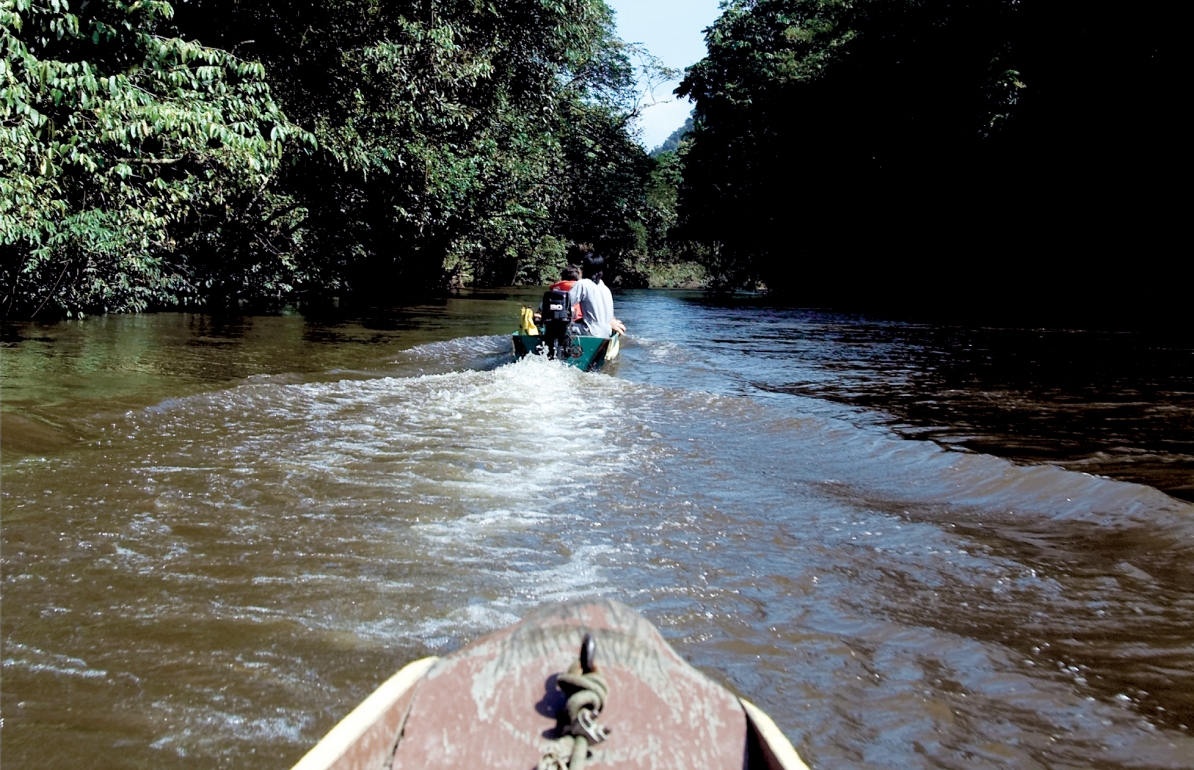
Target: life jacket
[577, 313]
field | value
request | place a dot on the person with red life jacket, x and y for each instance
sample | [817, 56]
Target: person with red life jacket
[568, 278]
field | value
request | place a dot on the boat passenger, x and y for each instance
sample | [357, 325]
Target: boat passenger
[595, 300]
[568, 277]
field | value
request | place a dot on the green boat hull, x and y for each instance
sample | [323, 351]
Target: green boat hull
[587, 353]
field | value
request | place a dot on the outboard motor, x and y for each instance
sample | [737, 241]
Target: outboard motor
[557, 317]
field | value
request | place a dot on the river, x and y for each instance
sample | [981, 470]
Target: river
[913, 545]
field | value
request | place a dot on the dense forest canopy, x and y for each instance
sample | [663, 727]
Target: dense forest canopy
[883, 145]
[475, 138]
[216, 152]
[136, 166]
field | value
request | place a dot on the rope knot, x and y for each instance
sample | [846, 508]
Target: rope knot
[586, 690]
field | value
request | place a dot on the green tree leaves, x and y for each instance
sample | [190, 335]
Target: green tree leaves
[306, 147]
[834, 133]
[124, 152]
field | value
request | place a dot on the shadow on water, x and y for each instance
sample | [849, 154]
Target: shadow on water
[1097, 400]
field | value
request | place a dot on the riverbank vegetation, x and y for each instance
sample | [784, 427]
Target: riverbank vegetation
[208, 152]
[874, 152]
[214, 152]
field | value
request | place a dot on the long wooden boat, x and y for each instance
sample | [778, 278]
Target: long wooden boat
[585, 353]
[587, 683]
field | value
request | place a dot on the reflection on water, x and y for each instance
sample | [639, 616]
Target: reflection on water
[1115, 404]
[254, 522]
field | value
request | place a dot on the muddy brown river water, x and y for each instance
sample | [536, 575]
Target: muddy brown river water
[915, 546]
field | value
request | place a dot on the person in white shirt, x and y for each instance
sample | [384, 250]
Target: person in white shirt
[595, 301]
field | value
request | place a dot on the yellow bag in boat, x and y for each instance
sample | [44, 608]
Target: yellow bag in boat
[526, 323]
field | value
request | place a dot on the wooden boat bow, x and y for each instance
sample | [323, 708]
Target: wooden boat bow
[495, 703]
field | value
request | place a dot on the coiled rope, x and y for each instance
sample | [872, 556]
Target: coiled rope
[586, 690]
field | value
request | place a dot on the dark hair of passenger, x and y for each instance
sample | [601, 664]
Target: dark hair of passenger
[570, 273]
[592, 267]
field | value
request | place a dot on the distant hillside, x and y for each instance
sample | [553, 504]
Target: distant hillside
[673, 142]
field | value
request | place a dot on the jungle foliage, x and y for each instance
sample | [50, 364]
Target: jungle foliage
[844, 142]
[213, 150]
[460, 141]
[134, 166]
[208, 152]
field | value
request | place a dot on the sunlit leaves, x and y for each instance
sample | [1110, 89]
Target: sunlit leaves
[444, 137]
[116, 142]
[447, 141]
